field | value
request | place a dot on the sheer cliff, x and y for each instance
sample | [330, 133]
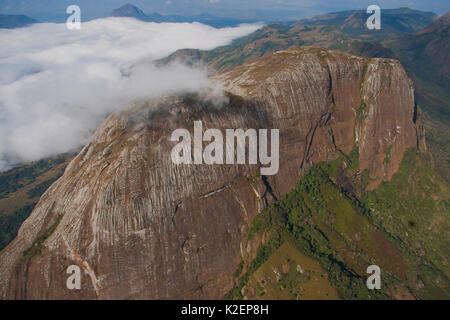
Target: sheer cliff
[142, 227]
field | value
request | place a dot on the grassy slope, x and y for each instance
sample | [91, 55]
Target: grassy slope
[289, 274]
[394, 227]
[20, 190]
[412, 210]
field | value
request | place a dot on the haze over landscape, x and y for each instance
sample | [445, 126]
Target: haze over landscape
[263, 10]
[56, 87]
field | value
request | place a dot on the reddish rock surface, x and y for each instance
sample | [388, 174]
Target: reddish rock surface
[141, 227]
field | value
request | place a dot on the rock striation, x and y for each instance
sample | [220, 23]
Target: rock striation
[141, 227]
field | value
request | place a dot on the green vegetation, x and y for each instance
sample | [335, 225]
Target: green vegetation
[20, 190]
[438, 143]
[288, 274]
[361, 110]
[320, 222]
[40, 188]
[14, 179]
[36, 247]
[412, 209]
[393, 227]
[9, 225]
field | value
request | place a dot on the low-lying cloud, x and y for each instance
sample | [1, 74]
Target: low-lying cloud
[57, 85]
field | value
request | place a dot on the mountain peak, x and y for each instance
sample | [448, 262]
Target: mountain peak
[15, 21]
[129, 10]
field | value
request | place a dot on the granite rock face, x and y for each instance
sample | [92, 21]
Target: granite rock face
[140, 226]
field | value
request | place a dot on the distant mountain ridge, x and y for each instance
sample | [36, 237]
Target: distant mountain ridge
[334, 30]
[15, 21]
[131, 11]
[394, 22]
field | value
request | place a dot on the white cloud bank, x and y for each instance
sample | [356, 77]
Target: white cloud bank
[57, 85]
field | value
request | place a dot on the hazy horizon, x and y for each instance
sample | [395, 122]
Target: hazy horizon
[54, 10]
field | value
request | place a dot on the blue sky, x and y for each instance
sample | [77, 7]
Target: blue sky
[259, 9]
